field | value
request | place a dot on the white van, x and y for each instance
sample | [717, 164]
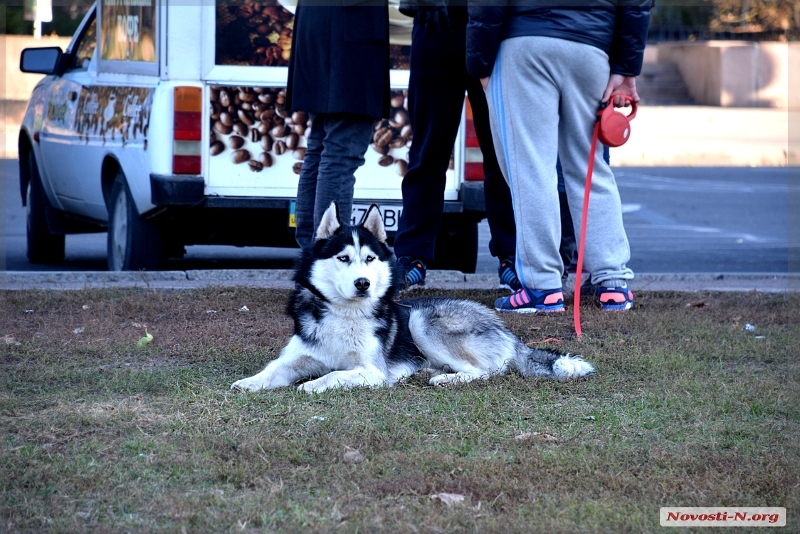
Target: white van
[164, 124]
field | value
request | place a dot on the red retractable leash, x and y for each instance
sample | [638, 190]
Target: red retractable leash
[613, 129]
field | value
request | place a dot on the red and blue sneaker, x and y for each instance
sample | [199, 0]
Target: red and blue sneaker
[615, 298]
[532, 301]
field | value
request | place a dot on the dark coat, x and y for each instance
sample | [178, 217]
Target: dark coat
[340, 58]
[617, 27]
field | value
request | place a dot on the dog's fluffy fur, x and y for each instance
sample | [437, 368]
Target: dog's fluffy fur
[349, 331]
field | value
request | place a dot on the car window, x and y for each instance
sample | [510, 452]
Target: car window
[84, 49]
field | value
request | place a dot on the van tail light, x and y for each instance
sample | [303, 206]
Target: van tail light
[473, 157]
[187, 130]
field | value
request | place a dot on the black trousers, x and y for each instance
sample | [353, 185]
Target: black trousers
[438, 81]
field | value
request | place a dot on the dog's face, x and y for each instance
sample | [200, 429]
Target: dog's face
[352, 264]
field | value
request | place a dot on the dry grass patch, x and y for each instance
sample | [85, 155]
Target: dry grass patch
[98, 433]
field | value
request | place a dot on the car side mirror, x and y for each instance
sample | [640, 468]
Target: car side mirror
[41, 60]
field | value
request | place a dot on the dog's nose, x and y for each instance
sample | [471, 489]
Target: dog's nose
[362, 284]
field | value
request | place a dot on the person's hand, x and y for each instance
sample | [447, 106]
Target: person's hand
[485, 83]
[621, 85]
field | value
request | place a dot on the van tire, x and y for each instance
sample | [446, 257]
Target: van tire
[43, 246]
[134, 243]
[457, 246]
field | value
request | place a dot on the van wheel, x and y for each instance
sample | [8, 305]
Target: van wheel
[133, 243]
[457, 246]
[43, 246]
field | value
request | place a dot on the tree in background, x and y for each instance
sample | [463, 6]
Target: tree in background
[66, 18]
[756, 15]
[751, 19]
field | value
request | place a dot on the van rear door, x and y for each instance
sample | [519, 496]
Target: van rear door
[255, 146]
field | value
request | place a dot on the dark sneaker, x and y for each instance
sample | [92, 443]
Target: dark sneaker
[415, 271]
[508, 276]
[530, 301]
[615, 298]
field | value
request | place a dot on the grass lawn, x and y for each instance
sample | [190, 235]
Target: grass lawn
[97, 433]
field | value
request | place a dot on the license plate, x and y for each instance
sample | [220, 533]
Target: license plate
[390, 212]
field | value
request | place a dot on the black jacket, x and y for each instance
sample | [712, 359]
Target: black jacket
[340, 58]
[618, 27]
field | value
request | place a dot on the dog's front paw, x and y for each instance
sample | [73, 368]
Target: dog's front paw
[248, 384]
[446, 379]
[449, 379]
[315, 386]
[302, 388]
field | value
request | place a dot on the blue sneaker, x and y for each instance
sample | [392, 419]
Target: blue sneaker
[615, 298]
[508, 276]
[415, 271]
[531, 301]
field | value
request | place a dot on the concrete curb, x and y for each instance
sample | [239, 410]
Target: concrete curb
[282, 278]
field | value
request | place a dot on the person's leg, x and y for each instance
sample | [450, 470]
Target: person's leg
[346, 140]
[584, 78]
[522, 88]
[567, 249]
[435, 98]
[307, 184]
[569, 243]
[497, 195]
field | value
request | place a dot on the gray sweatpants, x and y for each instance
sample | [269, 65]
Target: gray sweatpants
[543, 96]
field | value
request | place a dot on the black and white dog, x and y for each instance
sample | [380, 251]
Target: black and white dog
[349, 331]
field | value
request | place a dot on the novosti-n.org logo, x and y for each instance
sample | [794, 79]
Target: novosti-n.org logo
[722, 517]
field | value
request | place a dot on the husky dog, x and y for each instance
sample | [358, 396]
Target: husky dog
[350, 332]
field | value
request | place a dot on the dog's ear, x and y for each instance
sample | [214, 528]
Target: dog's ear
[330, 223]
[373, 223]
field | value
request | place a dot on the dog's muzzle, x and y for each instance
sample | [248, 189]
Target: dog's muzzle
[362, 285]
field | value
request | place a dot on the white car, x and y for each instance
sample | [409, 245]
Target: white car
[163, 124]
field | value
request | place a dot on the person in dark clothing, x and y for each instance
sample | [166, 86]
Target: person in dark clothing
[438, 81]
[437, 84]
[545, 67]
[339, 75]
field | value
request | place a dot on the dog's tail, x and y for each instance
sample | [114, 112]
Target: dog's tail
[549, 364]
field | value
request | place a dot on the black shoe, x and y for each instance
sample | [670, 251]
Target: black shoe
[508, 276]
[414, 270]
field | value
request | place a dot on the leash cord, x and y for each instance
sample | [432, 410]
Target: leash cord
[584, 216]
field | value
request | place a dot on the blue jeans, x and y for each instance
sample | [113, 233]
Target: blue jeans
[336, 146]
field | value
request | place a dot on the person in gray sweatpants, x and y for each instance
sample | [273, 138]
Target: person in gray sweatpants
[544, 88]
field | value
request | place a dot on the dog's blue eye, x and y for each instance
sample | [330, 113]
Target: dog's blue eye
[369, 258]
[343, 259]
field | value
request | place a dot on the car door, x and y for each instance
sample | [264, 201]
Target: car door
[60, 139]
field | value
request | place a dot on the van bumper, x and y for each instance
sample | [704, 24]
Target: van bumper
[170, 190]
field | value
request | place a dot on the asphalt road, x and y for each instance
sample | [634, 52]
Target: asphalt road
[678, 219]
